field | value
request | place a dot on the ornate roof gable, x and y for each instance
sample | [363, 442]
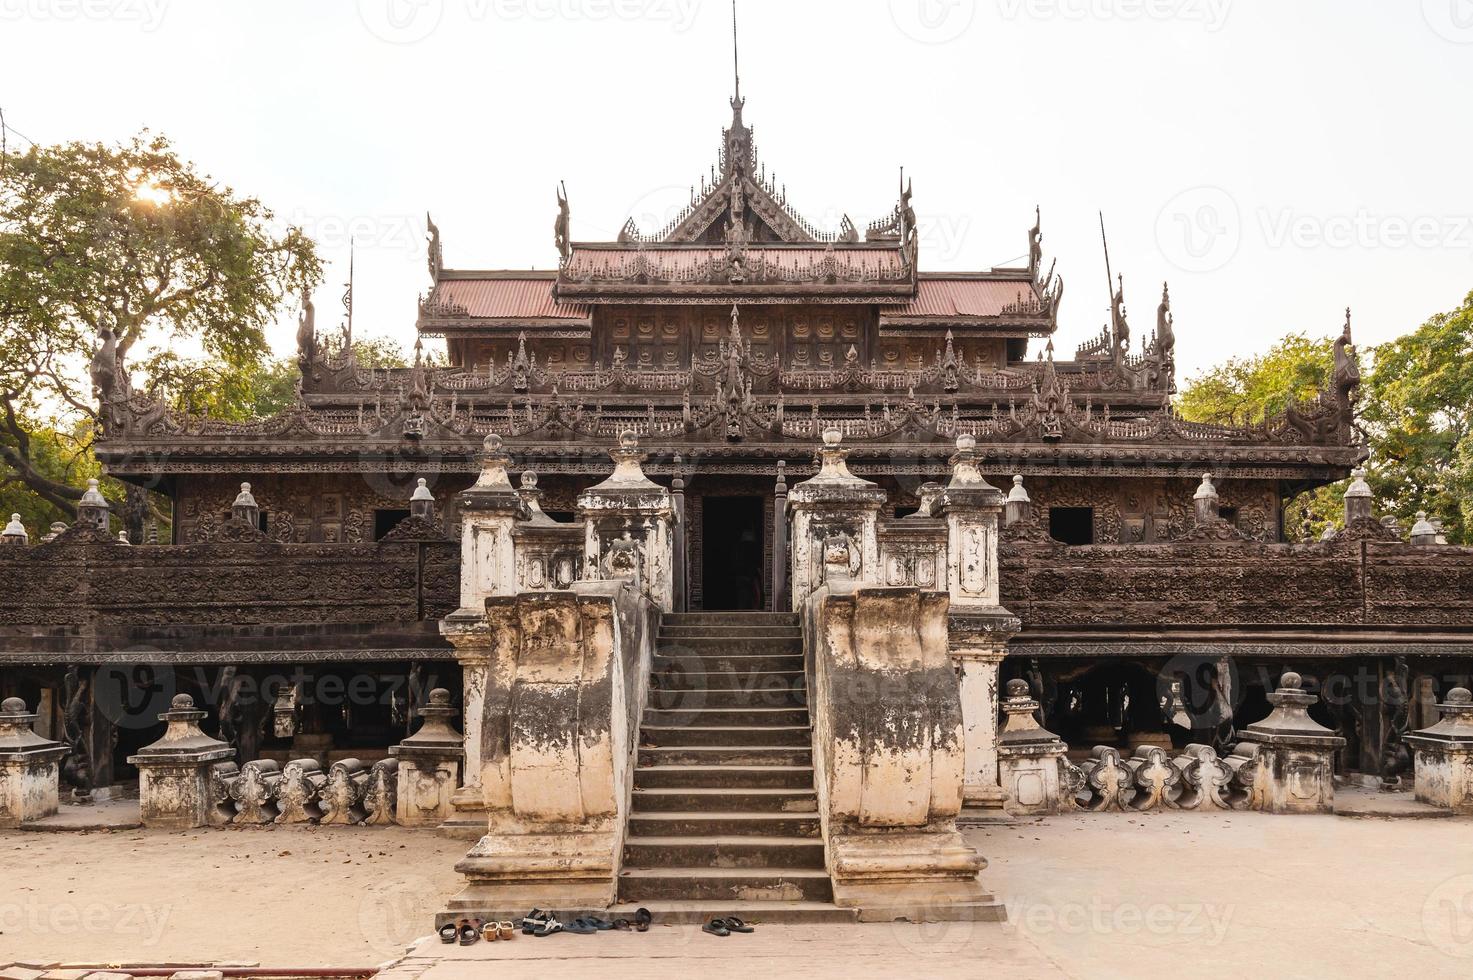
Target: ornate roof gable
[738, 202]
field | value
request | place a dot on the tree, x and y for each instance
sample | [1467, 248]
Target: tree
[1418, 411]
[1415, 406]
[133, 242]
[1245, 391]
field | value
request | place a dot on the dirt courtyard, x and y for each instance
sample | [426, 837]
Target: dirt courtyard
[1106, 895]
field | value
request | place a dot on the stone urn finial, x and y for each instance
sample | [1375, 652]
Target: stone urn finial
[93, 509]
[493, 465]
[15, 533]
[1423, 531]
[1358, 497]
[245, 508]
[422, 502]
[964, 471]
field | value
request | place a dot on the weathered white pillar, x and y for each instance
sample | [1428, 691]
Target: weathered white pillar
[29, 787]
[174, 772]
[838, 512]
[489, 512]
[629, 517]
[980, 626]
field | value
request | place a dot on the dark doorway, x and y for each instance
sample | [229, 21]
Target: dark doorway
[1072, 525]
[731, 566]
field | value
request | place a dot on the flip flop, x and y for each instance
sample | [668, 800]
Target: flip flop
[549, 927]
[448, 932]
[507, 930]
[581, 927]
[602, 925]
[470, 931]
[623, 925]
[716, 927]
[642, 920]
[737, 925]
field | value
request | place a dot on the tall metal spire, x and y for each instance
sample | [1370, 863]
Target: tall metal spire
[736, 65]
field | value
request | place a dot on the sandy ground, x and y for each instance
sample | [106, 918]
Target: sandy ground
[1109, 895]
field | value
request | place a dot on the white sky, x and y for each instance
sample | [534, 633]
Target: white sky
[1276, 160]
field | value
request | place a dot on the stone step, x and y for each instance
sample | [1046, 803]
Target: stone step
[712, 823]
[721, 777]
[728, 646]
[726, 884]
[721, 735]
[757, 913]
[731, 618]
[675, 699]
[722, 852]
[725, 755]
[753, 667]
[701, 678]
[725, 798]
[687, 632]
[694, 711]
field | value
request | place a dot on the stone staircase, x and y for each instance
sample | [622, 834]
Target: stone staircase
[725, 816]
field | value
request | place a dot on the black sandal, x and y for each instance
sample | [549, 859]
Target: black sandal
[549, 927]
[642, 920]
[716, 927]
[533, 919]
[448, 932]
[737, 925]
[470, 931]
[623, 925]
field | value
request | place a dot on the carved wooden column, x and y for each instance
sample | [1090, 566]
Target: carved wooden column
[980, 627]
[780, 540]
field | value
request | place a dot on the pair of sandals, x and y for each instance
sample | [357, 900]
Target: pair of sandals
[470, 931]
[726, 926]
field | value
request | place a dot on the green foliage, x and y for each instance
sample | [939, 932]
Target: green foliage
[133, 239]
[1418, 410]
[1247, 390]
[1415, 406]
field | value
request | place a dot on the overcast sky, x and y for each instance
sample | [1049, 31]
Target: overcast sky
[1276, 160]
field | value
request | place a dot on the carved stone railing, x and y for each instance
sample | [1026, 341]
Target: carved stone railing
[564, 683]
[889, 755]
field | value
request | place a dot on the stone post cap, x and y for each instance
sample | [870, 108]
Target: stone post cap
[1289, 723]
[529, 480]
[422, 491]
[18, 741]
[1454, 730]
[15, 532]
[964, 471]
[1205, 488]
[493, 465]
[1018, 495]
[1423, 531]
[14, 708]
[1358, 485]
[244, 498]
[1021, 734]
[92, 497]
[435, 737]
[182, 708]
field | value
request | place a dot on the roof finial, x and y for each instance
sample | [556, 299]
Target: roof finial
[736, 65]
